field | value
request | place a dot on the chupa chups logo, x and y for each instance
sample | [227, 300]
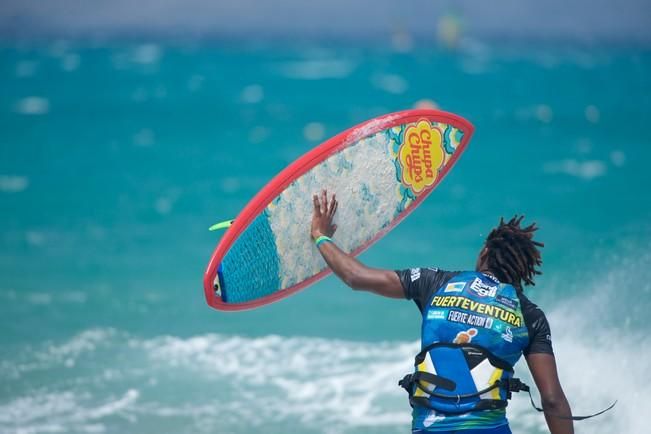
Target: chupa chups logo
[421, 155]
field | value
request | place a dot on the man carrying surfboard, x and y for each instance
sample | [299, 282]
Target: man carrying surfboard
[476, 325]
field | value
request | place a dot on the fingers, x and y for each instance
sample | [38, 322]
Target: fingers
[324, 200]
[333, 206]
[324, 207]
[317, 205]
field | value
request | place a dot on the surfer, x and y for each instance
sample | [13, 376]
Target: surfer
[476, 325]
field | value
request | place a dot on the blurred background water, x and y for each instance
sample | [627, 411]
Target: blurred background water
[118, 149]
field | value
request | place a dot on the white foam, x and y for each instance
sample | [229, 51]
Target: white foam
[391, 83]
[51, 355]
[587, 170]
[592, 114]
[221, 383]
[32, 105]
[252, 94]
[310, 384]
[314, 131]
[70, 62]
[85, 342]
[316, 69]
[13, 184]
[601, 357]
[60, 412]
[321, 381]
[35, 238]
[544, 113]
[475, 65]
[147, 54]
[39, 298]
[618, 158]
[77, 297]
[163, 205]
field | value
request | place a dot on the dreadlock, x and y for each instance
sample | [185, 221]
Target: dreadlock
[512, 254]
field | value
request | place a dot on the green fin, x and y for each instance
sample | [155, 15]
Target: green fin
[221, 225]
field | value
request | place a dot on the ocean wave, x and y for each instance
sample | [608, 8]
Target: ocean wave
[110, 380]
[50, 356]
[602, 351]
[45, 412]
[338, 383]
[319, 384]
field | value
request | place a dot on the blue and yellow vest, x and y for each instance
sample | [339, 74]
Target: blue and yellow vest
[473, 333]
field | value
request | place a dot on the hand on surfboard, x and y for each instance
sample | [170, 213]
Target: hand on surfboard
[324, 212]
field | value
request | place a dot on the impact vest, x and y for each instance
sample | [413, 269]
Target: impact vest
[473, 333]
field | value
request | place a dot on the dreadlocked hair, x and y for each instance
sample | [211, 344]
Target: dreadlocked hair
[512, 254]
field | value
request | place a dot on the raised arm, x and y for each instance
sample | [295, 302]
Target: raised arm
[352, 272]
[554, 402]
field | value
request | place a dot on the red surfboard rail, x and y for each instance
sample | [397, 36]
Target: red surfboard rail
[301, 166]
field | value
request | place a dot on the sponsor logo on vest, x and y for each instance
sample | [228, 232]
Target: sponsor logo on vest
[415, 274]
[436, 314]
[421, 155]
[455, 287]
[468, 318]
[465, 336]
[506, 301]
[482, 289]
[475, 306]
[508, 335]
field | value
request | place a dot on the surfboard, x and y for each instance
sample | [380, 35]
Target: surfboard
[380, 170]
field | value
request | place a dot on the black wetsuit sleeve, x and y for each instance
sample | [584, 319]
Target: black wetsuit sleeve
[420, 283]
[540, 335]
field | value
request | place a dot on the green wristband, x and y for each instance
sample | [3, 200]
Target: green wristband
[322, 239]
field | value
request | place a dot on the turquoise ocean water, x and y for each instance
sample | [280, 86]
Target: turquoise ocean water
[115, 158]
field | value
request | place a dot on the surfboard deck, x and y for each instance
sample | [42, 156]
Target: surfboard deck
[381, 170]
